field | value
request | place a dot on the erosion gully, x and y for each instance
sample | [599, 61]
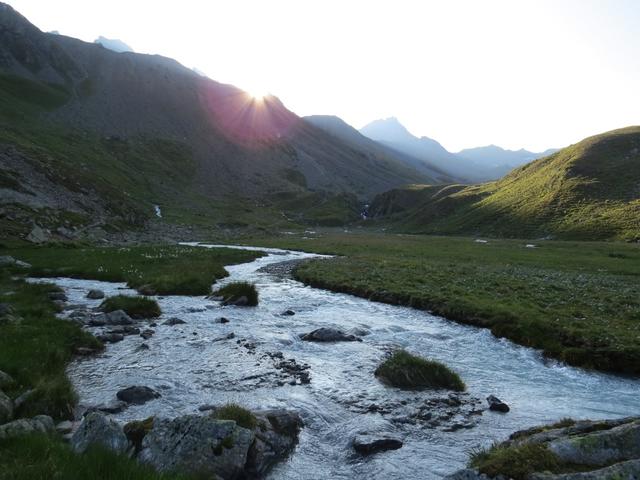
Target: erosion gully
[196, 364]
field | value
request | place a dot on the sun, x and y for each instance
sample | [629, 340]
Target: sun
[257, 94]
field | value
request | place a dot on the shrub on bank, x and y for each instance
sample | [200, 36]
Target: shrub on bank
[514, 462]
[404, 370]
[232, 292]
[135, 307]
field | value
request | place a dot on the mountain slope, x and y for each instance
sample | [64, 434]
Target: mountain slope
[499, 161]
[590, 190]
[102, 136]
[349, 135]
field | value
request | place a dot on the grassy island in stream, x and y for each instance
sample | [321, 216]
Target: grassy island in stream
[577, 301]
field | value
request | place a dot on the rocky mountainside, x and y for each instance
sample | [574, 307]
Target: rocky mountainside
[346, 133]
[499, 161]
[586, 191]
[97, 135]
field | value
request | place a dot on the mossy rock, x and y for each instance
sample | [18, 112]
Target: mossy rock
[135, 307]
[234, 292]
[231, 411]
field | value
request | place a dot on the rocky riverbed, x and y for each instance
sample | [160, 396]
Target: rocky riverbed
[199, 355]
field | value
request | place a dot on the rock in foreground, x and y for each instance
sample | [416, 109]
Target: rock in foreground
[366, 444]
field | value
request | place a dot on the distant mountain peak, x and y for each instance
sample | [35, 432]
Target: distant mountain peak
[113, 44]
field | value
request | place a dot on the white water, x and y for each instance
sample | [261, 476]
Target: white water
[191, 370]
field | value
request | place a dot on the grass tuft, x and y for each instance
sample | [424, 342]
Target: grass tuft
[233, 291]
[514, 462]
[407, 371]
[135, 307]
[232, 411]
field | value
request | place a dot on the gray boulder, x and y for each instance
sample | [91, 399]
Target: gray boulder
[6, 380]
[95, 294]
[111, 337]
[629, 470]
[275, 438]
[497, 405]
[117, 317]
[37, 235]
[137, 395]
[7, 261]
[96, 429]
[196, 444]
[6, 408]
[366, 444]
[174, 321]
[325, 334]
[24, 426]
[600, 447]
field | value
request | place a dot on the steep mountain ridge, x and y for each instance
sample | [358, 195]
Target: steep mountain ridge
[137, 130]
[589, 190]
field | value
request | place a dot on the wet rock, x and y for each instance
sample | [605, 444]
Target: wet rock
[195, 309]
[359, 332]
[6, 380]
[366, 444]
[275, 437]
[124, 330]
[174, 321]
[222, 320]
[142, 346]
[24, 426]
[60, 296]
[329, 335]
[497, 405]
[98, 321]
[629, 470]
[288, 313]
[197, 444]
[229, 336]
[97, 430]
[137, 395]
[147, 334]
[241, 301]
[600, 447]
[6, 408]
[95, 294]
[114, 406]
[64, 427]
[110, 337]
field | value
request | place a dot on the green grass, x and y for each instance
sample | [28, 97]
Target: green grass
[42, 457]
[235, 290]
[243, 417]
[515, 462]
[35, 347]
[135, 307]
[407, 371]
[570, 299]
[168, 270]
[585, 191]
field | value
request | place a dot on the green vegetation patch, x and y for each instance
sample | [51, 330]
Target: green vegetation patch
[570, 299]
[35, 347]
[135, 307]
[404, 370]
[515, 462]
[42, 457]
[166, 270]
[234, 291]
[232, 411]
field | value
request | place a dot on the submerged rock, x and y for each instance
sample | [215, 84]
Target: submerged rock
[325, 334]
[288, 313]
[24, 426]
[174, 321]
[97, 430]
[366, 444]
[497, 405]
[147, 333]
[137, 395]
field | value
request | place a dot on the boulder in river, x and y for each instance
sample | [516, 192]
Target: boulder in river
[110, 337]
[497, 405]
[174, 321]
[98, 430]
[95, 294]
[288, 313]
[137, 394]
[366, 444]
[147, 333]
[25, 426]
[117, 317]
[325, 334]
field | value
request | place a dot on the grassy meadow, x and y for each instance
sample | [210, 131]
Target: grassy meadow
[577, 301]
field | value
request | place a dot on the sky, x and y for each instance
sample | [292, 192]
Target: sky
[515, 73]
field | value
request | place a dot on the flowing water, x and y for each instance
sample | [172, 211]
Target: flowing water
[196, 364]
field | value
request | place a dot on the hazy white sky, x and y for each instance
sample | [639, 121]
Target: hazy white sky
[533, 74]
